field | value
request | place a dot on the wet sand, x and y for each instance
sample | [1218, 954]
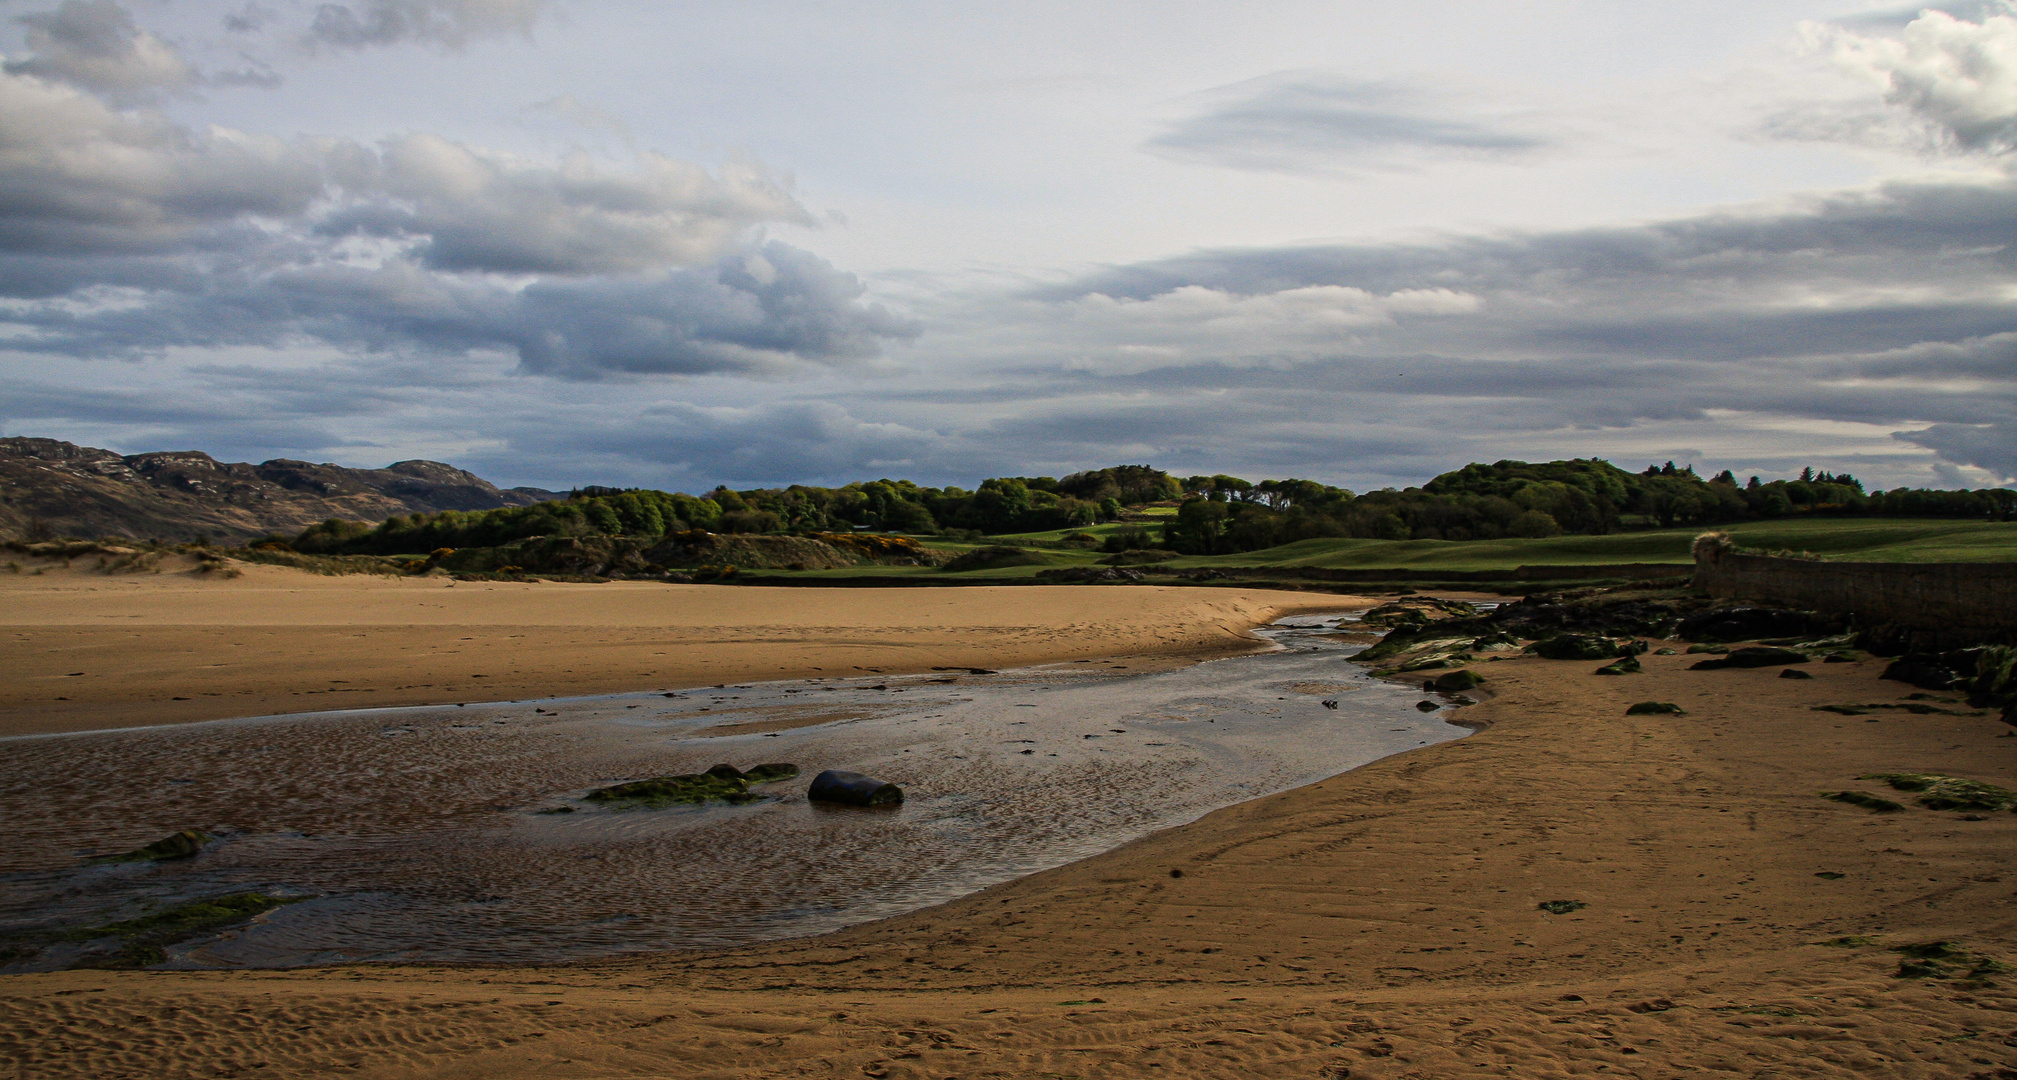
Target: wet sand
[84, 650]
[1381, 923]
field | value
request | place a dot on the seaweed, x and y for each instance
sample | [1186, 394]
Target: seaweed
[1627, 666]
[1942, 960]
[1874, 803]
[723, 783]
[142, 940]
[181, 845]
[1949, 792]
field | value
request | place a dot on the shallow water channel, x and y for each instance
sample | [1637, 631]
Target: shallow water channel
[418, 832]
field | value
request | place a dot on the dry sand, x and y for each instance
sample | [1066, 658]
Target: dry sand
[1382, 923]
[83, 650]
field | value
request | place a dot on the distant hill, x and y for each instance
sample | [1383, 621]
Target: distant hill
[71, 490]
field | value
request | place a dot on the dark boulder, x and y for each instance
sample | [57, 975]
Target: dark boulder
[1927, 671]
[1795, 673]
[1752, 623]
[1455, 682]
[1655, 708]
[853, 789]
[1755, 656]
[1627, 666]
[1581, 647]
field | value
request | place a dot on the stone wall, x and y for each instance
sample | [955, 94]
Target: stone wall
[1962, 600]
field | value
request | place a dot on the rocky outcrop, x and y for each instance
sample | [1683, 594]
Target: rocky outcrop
[61, 489]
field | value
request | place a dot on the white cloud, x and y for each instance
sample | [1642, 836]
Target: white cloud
[1955, 76]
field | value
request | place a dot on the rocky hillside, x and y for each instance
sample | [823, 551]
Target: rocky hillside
[62, 489]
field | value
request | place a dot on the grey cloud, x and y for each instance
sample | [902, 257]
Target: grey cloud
[446, 23]
[1307, 121]
[95, 44]
[479, 211]
[1986, 446]
[79, 177]
[754, 311]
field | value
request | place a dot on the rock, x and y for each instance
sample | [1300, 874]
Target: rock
[853, 789]
[771, 773]
[1717, 650]
[1754, 656]
[1580, 647]
[1561, 907]
[1923, 670]
[1655, 708]
[1752, 623]
[1665, 652]
[1627, 666]
[1840, 658]
[1455, 682]
[1795, 673]
[1426, 705]
[1087, 575]
[182, 845]
[670, 790]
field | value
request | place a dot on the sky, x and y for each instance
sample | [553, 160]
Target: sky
[672, 244]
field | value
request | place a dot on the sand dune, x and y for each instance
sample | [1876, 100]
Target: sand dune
[1382, 923]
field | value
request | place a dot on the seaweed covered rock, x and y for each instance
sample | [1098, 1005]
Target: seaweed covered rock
[1755, 656]
[1951, 670]
[1939, 792]
[853, 789]
[1456, 682]
[1415, 612]
[1750, 623]
[1581, 647]
[140, 942]
[723, 783]
[1631, 611]
[1626, 666]
[181, 845]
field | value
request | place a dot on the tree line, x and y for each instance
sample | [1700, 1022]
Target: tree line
[1215, 514]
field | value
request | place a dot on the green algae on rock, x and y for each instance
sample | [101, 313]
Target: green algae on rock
[1949, 792]
[142, 940]
[723, 783]
[181, 845]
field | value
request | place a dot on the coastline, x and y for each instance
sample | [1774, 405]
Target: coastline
[1379, 923]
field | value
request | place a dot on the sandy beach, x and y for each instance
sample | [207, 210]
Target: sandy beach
[1381, 923]
[85, 650]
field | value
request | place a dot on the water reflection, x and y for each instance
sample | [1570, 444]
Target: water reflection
[419, 832]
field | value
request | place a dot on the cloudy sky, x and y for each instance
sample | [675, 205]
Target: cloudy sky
[674, 244]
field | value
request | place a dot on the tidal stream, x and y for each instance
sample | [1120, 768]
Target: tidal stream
[417, 833]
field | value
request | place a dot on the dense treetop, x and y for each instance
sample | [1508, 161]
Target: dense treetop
[1214, 514]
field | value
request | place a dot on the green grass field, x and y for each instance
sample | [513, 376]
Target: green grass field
[1858, 539]
[1852, 539]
